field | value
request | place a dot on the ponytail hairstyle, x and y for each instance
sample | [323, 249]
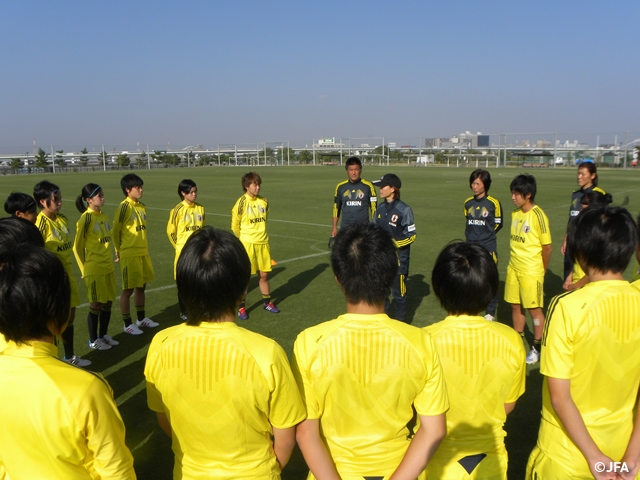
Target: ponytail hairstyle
[90, 190]
[19, 202]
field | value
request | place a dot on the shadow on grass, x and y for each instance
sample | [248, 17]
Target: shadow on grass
[294, 286]
[417, 290]
[522, 425]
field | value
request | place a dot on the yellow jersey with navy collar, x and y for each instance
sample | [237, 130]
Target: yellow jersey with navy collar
[249, 219]
[92, 245]
[57, 238]
[529, 232]
[184, 221]
[130, 229]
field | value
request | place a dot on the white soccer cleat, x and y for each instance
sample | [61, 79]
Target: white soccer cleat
[77, 361]
[99, 344]
[131, 330]
[146, 322]
[533, 356]
[110, 341]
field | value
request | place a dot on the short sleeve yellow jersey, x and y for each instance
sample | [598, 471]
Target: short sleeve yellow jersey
[184, 221]
[223, 388]
[592, 338]
[57, 238]
[529, 232]
[92, 245]
[484, 368]
[249, 219]
[58, 421]
[577, 274]
[360, 375]
[130, 229]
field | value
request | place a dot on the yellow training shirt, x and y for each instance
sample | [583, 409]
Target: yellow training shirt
[592, 338]
[222, 388]
[184, 220]
[92, 245]
[360, 375]
[57, 238]
[249, 219]
[529, 232]
[484, 368]
[130, 229]
[58, 421]
[578, 274]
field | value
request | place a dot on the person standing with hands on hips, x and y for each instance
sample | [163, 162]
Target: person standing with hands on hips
[396, 217]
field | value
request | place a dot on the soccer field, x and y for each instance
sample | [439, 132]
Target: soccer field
[302, 283]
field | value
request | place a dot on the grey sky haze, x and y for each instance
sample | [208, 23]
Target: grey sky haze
[81, 74]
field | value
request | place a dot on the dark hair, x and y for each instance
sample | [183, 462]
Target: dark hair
[592, 170]
[212, 275]
[596, 198]
[90, 190]
[15, 230]
[129, 181]
[249, 178]
[603, 238]
[19, 202]
[352, 161]
[34, 294]
[484, 176]
[524, 184]
[365, 262]
[185, 187]
[464, 278]
[43, 191]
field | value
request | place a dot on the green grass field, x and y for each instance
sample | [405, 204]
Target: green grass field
[302, 283]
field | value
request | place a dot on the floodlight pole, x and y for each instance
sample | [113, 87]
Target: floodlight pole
[148, 158]
[53, 160]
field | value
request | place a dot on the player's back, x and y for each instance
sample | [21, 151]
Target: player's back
[484, 367]
[592, 338]
[362, 374]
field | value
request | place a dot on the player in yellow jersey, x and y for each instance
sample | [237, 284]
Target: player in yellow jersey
[185, 219]
[530, 253]
[483, 362]
[591, 359]
[58, 421]
[93, 251]
[249, 224]
[132, 251]
[363, 374]
[225, 395]
[54, 228]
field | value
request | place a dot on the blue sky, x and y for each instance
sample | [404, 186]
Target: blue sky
[82, 73]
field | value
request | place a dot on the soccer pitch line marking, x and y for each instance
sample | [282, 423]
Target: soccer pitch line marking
[166, 287]
[227, 215]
